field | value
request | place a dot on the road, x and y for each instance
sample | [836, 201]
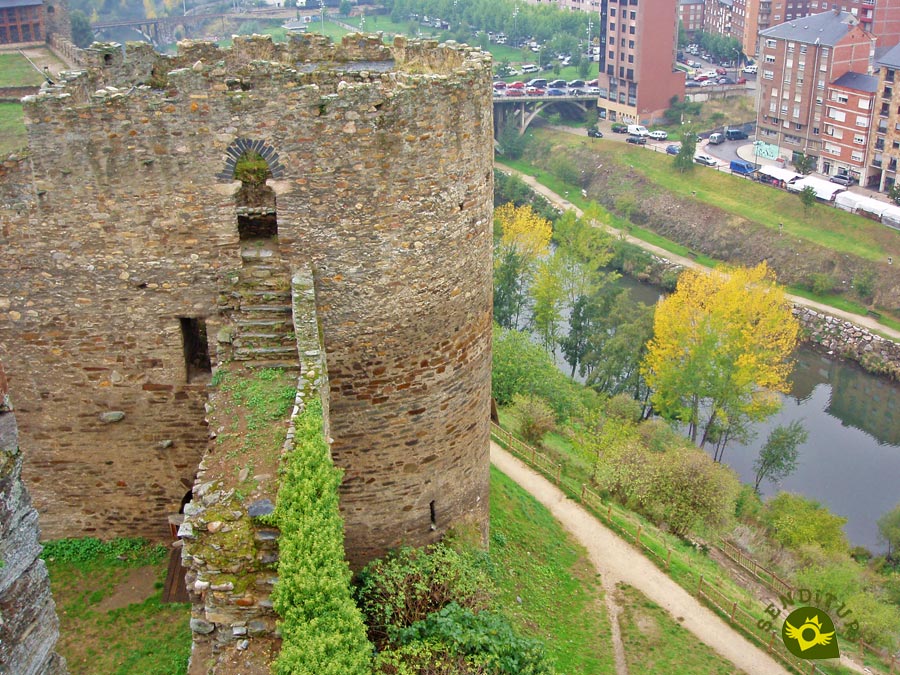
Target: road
[555, 199]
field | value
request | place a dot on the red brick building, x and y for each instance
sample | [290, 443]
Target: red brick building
[847, 125]
[690, 14]
[21, 21]
[638, 77]
[879, 17]
[798, 62]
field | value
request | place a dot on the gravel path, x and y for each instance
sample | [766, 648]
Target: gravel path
[617, 561]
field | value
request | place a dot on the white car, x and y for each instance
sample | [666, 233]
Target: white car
[658, 135]
[707, 160]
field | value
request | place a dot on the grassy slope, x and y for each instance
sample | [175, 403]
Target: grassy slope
[829, 227]
[655, 644]
[535, 560]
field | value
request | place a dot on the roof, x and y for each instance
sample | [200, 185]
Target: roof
[824, 189]
[4, 4]
[857, 82]
[891, 58]
[690, 2]
[826, 28]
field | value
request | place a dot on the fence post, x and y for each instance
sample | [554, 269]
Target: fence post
[668, 557]
[893, 663]
[583, 487]
[637, 537]
[559, 474]
[533, 457]
[771, 641]
[609, 512]
[700, 585]
[862, 649]
[733, 610]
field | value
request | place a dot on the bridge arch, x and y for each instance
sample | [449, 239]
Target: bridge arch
[524, 111]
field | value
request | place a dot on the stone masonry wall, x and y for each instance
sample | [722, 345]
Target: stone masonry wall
[381, 162]
[29, 627]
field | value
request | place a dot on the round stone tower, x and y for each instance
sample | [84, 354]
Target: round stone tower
[377, 168]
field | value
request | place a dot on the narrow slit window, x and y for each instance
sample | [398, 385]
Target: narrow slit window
[433, 515]
[197, 364]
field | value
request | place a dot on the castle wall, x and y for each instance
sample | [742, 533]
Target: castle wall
[383, 181]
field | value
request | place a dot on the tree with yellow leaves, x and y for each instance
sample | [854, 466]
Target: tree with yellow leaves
[719, 353]
[521, 238]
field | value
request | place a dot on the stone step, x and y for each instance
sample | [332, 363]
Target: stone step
[265, 296]
[259, 324]
[265, 353]
[263, 363]
[266, 309]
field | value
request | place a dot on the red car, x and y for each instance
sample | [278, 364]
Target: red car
[515, 92]
[701, 78]
[742, 80]
[535, 91]
[721, 71]
[516, 85]
[500, 85]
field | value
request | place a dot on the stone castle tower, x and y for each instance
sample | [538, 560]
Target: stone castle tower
[119, 281]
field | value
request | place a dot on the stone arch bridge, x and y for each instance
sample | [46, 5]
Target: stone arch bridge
[521, 110]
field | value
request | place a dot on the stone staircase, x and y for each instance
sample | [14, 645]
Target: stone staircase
[263, 326]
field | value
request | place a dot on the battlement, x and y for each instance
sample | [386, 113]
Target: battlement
[257, 63]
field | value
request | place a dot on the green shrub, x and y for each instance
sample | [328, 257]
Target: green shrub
[820, 283]
[795, 521]
[129, 552]
[879, 623]
[841, 579]
[624, 407]
[485, 639]
[536, 418]
[658, 436]
[322, 628]
[408, 584]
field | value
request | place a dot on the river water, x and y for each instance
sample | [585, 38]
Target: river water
[851, 461]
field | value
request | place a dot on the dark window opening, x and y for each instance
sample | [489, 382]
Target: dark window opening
[50, 9]
[256, 226]
[107, 59]
[197, 364]
[433, 515]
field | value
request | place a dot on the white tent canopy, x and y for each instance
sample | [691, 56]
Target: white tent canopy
[853, 202]
[823, 188]
[778, 173]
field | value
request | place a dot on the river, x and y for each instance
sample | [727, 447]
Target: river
[851, 461]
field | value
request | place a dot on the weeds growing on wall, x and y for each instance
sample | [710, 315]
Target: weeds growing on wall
[322, 628]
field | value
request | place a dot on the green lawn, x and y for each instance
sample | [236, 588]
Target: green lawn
[547, 585]
[12, 128]
[656, 644]
[15, 71]
[144, 636]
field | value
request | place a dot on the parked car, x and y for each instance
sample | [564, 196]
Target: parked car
[535, 91]
[658, 135]
[619, 128]
[529, 68]
[701, 78]
[515, 92]
[500, 85]
[735, 134]
[592, 91]
[724, 80]
[516, 85]
[750, 70]
[538, 82]
[741, 80]
[691, 83]
[637, 140]
[577, 92]
[557, 84]
[716, 139]
[577, 83]
[721, 71]
[594, 132]
[593, 83]
[844, 179]
[638, 130]
[556, 92]
[673, 149]
[706, 159]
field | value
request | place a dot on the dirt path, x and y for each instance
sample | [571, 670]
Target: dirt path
[618, 561]
[555, 199]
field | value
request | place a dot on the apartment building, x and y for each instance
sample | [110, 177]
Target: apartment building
[885, 137]
[690, 14]
[879, 17]
[638, 77]
[798, 62]
[847, 126]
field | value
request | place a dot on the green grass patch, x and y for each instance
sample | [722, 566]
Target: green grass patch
[142, 636]
[656, 644]
[535, 561]
[15, 71]
[12, 128]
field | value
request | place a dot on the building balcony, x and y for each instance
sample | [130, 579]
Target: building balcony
[892, 165]
[876, 163]
[879, 144]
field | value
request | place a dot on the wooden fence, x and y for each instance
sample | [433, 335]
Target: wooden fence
[660, 552]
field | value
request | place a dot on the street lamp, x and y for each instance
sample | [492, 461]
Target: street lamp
[515, 25]
[590, 44]
[322, 8]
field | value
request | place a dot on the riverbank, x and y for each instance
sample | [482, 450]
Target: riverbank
[828, 329]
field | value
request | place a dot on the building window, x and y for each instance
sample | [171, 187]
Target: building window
[631, 44]
[859, 140]
[803, 47]
[773, 107]
[770, 58]
[856, 156]
[840, 98]
[770, 44]
[796, 111]
[864, 104]
[821, 84]
[838, 115]
[862, 121]
[631, 30]
[768, 75]
[790, 44]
